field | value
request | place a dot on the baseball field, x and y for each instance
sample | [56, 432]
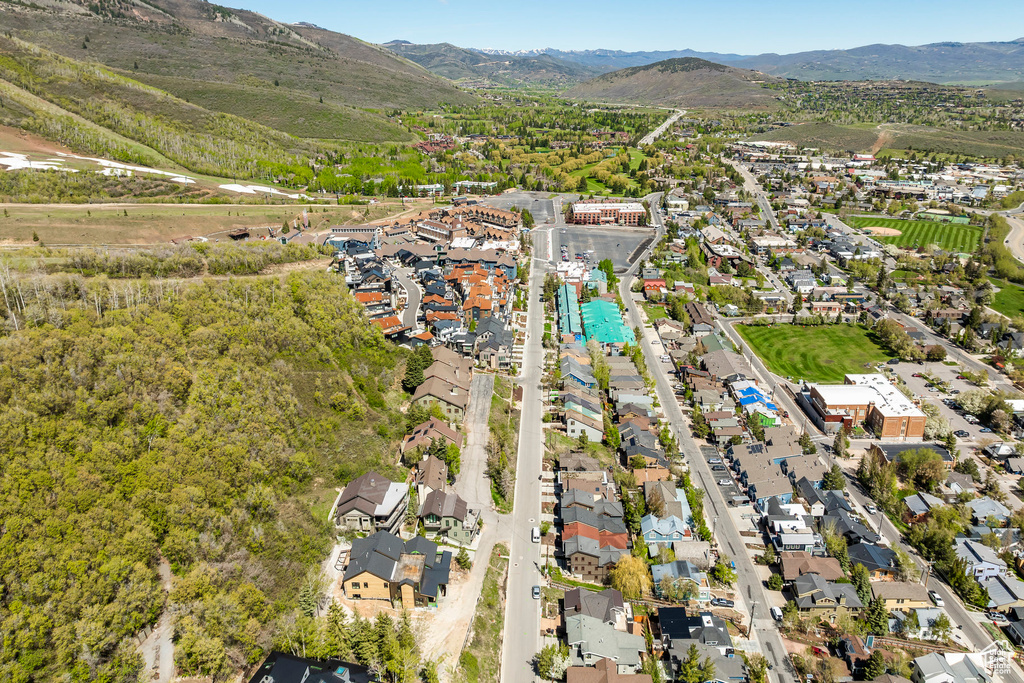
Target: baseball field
[915, 234]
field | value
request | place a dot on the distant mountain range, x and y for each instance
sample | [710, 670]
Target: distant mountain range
[679, 82]
[474, 66]
[992, 62]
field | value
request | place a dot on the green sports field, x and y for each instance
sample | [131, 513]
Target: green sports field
[948, 236]
[815, 354]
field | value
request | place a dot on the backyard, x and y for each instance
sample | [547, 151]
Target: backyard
[914, 234]
[814, 354]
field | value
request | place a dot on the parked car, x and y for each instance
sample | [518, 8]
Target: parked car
[536, 592]
[714, 461]
[961, 434]
[776, 613]
[872, 510]
[997, 618]
[724, 482]
[722, 602]
[960, 377]
[955, 391]
[933, 390]
[893, 361]
[936, 598]
[718, 468]
[985, 430]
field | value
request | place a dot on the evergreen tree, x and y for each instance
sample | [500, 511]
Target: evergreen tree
[877, 617]
[875, 666]
[834, 479]
[860, 577]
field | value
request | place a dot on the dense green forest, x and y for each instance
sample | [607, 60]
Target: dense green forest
[148, 420]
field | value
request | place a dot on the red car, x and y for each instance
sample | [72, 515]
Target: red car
[916, 374]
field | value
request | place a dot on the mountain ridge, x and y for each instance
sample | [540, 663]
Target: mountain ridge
[939, 62]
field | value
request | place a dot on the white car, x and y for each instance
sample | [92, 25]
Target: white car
[724, 482]
[936, 598]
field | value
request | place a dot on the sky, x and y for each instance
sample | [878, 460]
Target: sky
[739, 26]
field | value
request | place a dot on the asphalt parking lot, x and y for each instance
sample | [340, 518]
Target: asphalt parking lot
[617, 244]
[946, 373]
[541, 207]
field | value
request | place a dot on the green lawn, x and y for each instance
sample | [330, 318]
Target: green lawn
[815, 354]
[654, 312]
[948, 236]
[1009, 300]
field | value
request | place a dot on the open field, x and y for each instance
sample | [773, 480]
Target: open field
[814, 354]
[898, 139]
[139, 224]
[1009, 300]
[913, 234]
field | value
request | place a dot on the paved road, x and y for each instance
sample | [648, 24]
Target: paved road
[751, 185]
[657, 132]
[1015, 240]
[522, 613]
[728, 536]
[730, 542]
[415, 295]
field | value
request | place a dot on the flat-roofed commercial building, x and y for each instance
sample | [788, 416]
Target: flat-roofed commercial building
[872, 400]
[608, 213]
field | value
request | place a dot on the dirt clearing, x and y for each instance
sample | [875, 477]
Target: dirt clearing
[886, 232]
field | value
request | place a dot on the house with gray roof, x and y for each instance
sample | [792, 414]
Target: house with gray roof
[820, 598]
[953, 667]
[1004, 592]
[371, 503]
[982, 561]
[681, 572]
[591, 639]
[983, 508]
[384, 567]
[607, 605]
[919, 505]
[447, 514]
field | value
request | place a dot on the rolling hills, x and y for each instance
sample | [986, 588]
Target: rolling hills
[683, 82]
[298, 79]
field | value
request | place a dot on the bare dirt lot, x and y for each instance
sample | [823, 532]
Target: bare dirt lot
[888, 232]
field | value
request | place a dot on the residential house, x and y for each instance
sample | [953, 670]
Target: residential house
[604, 671]
[424, 434]
[982, 561]
[880, 562]
[448, 515]
[591, 639]
[665, 530]
[1004, 592]
[918, 506]
[983, 509]
[383, 567]
[901, 594]
[588, 559]
[794, 564]
[820, 598]
[682, 573]
[451, 399]
[953, 667]
[430, 474]
[607, 605]
[372, 503]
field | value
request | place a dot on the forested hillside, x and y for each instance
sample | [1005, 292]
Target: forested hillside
[149, 419]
